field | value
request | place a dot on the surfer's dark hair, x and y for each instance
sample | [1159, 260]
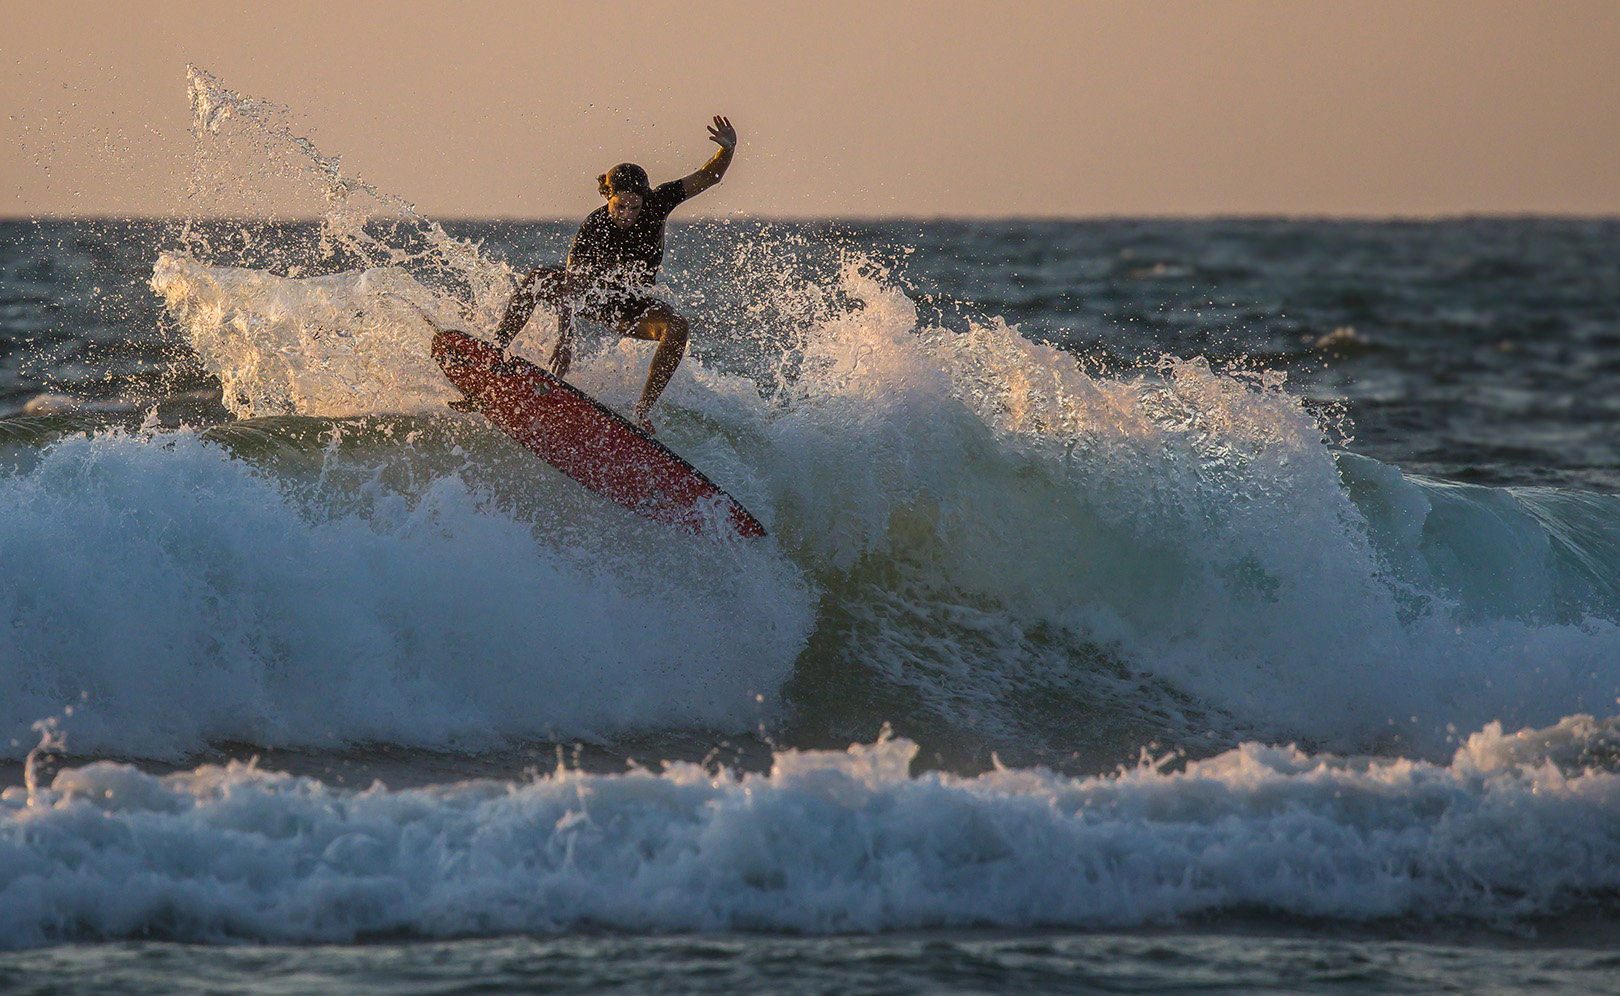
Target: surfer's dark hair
[625, 178]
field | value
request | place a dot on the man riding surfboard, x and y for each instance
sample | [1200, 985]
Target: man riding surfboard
[613, 264]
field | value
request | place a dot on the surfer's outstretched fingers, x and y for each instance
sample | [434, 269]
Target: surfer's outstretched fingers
[562, 356]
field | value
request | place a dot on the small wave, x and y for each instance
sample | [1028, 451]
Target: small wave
[828, 842]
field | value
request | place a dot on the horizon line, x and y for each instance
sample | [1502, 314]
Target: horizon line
[873, 218]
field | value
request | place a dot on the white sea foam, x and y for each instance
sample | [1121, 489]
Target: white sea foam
[179, 597]
[1193, 519]
[347, 343]
[839, 841]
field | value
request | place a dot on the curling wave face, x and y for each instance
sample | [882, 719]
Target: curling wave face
[1195, 524]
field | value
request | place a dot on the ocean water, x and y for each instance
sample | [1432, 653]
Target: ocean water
[1149, 605]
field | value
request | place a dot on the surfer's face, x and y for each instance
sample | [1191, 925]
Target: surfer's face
[625, 208]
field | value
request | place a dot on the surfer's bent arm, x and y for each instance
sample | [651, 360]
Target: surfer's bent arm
[724, 135]
[543, 283]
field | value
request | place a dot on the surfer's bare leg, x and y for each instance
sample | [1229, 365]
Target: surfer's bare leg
[543, 283]
[669, 330]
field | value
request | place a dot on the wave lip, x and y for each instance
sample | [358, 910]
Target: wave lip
[348, 343]
[828, 842]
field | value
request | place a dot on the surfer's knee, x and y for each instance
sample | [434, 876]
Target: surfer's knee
[675, 329]
[662, 325]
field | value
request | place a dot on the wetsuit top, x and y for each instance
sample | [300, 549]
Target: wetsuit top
[605, 253]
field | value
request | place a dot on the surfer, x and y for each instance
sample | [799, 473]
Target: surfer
[613, 264]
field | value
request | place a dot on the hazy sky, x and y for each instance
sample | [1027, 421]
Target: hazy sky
[845, 108]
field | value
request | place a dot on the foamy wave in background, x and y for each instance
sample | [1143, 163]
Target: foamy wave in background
[1512, 827]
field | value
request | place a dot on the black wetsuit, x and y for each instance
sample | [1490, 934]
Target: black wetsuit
[608, 263]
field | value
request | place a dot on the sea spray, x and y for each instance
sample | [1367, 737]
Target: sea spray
[342, 344]
[359, 222]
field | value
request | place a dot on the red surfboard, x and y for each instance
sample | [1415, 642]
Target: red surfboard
[586, 440]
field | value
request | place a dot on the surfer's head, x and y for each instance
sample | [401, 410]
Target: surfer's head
[625, 186]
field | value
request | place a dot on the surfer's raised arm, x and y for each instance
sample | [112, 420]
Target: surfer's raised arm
[722, 134]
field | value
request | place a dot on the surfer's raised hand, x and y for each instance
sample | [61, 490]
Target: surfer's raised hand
[722, 134]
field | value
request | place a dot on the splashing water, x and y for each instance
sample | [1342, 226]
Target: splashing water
[359, 221]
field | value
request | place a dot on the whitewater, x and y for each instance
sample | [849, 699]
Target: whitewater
[967, 516]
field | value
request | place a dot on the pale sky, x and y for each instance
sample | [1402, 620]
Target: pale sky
[871, 108]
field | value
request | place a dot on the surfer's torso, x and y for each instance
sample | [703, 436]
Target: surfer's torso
[607, 253]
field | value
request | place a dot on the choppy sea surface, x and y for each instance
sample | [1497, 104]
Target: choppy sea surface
[1148, 606]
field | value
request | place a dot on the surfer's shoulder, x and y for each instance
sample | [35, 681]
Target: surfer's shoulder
[666, 196]
[593, 232]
